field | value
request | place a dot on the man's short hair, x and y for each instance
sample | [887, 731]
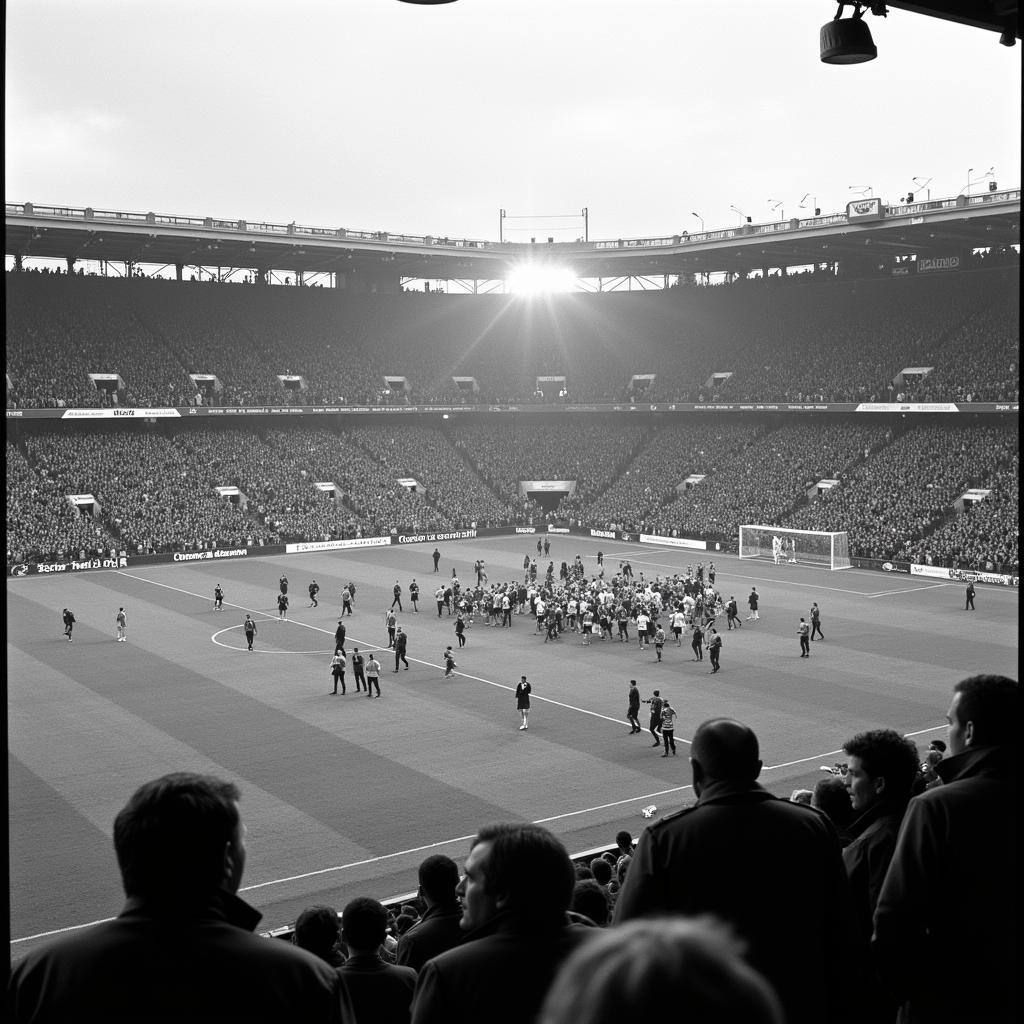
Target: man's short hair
[992, 703]
[726, 750]
[601, 870]
[317, 929]
[171, 836]
[832, 797]
[632, 971]
[884, 753]
[591, 900]
[364, 924]
[623, 840]
[439, 878]
[530, 867]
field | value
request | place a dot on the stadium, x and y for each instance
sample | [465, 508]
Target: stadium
[817, 409]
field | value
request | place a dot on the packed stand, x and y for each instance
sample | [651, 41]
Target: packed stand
[766, 479]
[890, 502]
[41, 523]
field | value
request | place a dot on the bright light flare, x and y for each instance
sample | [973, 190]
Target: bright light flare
[540, 279]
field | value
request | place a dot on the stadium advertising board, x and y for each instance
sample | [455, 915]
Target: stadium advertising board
[419, 538]
[526, 529]
[120, 414]
[937, 264]
[964, 575]
[72, 565]
[672, 542]
[336, 545]
[202, 556]
[609, 534]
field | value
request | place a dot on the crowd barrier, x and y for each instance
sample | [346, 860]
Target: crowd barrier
[126, 561]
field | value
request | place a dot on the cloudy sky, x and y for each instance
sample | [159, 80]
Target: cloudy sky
[379, 115]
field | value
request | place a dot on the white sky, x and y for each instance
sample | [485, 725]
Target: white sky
[380, 115]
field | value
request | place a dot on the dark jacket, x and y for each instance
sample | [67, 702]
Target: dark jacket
[500, 974]
[946, 924]
[867, 856]
[436, 932]
[381, 993]
[774, 871]
[171, 965]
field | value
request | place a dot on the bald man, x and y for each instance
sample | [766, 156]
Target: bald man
[771, 868]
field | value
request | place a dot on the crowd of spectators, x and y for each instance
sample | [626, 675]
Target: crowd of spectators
[833, 340]
[891, 503]
[158, 491]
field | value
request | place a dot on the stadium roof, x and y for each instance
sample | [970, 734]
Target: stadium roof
[934, 228]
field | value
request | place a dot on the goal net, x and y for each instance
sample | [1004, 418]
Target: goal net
[810, 547]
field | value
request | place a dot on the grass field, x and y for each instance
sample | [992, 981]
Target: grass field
[344, 796]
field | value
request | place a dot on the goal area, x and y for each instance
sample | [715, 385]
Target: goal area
[810, 547]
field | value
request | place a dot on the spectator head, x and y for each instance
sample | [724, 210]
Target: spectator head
[317, 930]
[590, 900]
[519, 869]
[364, 924]
[985, 712]
[724, 750]
[801, 796]
[601, 870]
[582, 871]
[633, 971]
[882, 768]
[938, 745]
[624, 841]
[439, 879]
[180, 838]
[832, 798]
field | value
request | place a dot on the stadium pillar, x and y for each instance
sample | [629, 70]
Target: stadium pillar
[179, 271]
[260, 275]
[17, 261]
[71, 264]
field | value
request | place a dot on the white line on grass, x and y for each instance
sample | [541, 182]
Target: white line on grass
[909, 590]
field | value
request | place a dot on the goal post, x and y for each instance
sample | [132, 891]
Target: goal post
[810, 547]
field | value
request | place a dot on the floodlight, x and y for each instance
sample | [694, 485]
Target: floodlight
[849, 41]
[540, 279]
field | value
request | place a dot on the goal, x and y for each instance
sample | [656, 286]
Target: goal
[813, 547]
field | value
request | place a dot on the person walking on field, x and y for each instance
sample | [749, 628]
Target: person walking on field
[633, 710]
[752, 601]
[715, 649]
[250, 630]
[358, 661]
[668, 727]
[523, 691]
[122, 626]
[397, 591]
[449, 662]
[804, 631]
[401, 642]
[816, 621]
[969, 605]
[437, 558]
[696, 641]
[338, 672]
[655, 721]
[372, 676]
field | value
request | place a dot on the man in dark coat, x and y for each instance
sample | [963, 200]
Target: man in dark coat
[771, 869]
[516, 890]
[947, 921]
[438, 930]
[380, 992]
[182, 949]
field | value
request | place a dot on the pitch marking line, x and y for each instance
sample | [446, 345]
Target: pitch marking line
[909, 590]
[459, 839]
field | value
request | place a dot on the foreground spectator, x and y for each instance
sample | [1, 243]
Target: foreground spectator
[182, 948]
[636, 972]
[516, 891]
[381, 992]
[438, 929]
[770, 868]
[881, 771]
[947, 924]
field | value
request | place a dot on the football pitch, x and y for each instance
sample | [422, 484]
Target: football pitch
[344, 796]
